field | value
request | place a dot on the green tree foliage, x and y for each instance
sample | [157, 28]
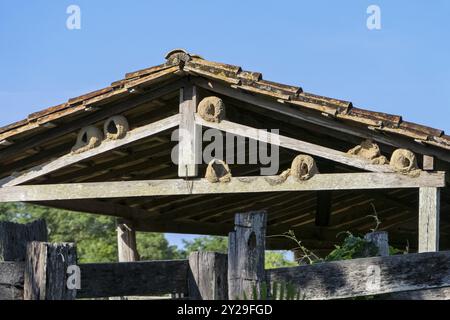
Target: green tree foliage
[206, 243]
[274, 259]
[94, 235]
[278, 259]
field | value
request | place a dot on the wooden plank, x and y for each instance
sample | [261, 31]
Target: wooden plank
[246, 252]
[121, 189]
[429, 206]
[108, 145]
[100, 280]
[367, 276]
[208, 276]
[294, 144]
[325, 122]
[46, 271]
[189, 145]
[11, 280]
[14, 238]
[428, 294]
[126, 242]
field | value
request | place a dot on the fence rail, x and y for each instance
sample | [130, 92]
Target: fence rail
[100, 280]
[365, 276]
[44, 274]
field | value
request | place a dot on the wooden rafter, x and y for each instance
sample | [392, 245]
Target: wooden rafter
[294, 144]
[109, 145]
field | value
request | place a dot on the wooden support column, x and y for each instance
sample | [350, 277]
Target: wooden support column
[126, 242]
[208, 276]
[46, 271]
[246, 252]
[189, 134]
[429, 206]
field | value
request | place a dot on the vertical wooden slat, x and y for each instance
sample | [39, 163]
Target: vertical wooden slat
[246, 252]
[429, 205]
[189, 137]
[46, 271]
[208, 276]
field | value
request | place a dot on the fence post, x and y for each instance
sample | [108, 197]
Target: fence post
[14, 238]
[208, 276]
[13, 241]
[246, 247]
[380, 240]
[46, 271]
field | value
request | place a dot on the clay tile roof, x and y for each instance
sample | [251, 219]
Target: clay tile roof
[179, 62]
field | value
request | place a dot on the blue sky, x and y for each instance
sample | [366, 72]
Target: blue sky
[322, 46]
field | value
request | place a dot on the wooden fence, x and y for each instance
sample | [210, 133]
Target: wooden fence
[38, 270]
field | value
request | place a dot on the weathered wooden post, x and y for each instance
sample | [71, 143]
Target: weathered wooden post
[13, 241]
[380, 240]
[208, 276]
[429, 205]
[246, 252]
[14, 238]
[126, 242]
[46, 271]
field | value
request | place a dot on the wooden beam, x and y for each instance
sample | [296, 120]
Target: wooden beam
[189, 145]
[326, 122]
[100, 280]
[429, 206]
[366, 276]
[109, 145]
[121, 189]
[96, 207]
[293, 144]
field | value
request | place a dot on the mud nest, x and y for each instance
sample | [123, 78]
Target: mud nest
[88, 138]
[116, 128]
[404, 161]
[211, 109]
[303, 167]
[370, 151]
[218, 171]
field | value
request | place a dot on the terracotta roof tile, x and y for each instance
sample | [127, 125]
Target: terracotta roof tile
[179, 59]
